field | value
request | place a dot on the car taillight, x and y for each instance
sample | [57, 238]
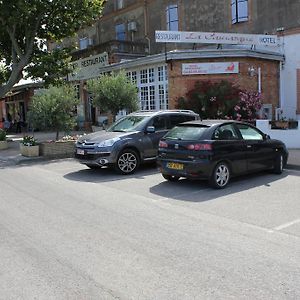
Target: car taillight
[198, 147]
[162, 144]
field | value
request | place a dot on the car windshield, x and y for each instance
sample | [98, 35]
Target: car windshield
[185, 133]
[128, 123]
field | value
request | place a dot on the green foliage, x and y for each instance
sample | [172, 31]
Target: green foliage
[113, 93]
[2, 135]
[25, 28]
[53, 109]
[211, 100]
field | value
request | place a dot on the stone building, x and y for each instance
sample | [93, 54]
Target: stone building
[126, 33]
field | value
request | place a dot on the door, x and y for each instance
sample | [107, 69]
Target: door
[230, 146]
[259, 152]
[151, 139]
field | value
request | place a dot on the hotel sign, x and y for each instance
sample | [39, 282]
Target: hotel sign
[89, 67]
[210, 68]
[216, 38]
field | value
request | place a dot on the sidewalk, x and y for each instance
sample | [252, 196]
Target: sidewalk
[12, 154]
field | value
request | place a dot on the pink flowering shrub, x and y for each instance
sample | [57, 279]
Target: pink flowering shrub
[248, 106]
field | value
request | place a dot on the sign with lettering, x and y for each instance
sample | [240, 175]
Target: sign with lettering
[210, 68]
[88, 67]
[216, 38]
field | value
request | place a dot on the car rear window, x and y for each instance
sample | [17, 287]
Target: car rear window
[186, 133]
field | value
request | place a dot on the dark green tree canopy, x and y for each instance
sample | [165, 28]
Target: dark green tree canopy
[26, 25]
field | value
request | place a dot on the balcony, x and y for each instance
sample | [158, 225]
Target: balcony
[116, 50]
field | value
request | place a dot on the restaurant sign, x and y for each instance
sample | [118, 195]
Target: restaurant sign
[88, 67]
[210, 68]
[216, 38]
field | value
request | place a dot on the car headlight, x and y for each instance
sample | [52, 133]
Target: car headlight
[108, 143]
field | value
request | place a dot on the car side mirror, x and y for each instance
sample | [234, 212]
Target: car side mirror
[150, 129]
[267, 137]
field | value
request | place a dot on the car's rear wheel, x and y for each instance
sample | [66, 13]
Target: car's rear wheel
[278, 164]
[128, 162]
[220, 176]
[170, 177]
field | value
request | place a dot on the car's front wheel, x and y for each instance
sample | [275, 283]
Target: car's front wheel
[278, 164]
[170, 177]
[128, 162]
[220, 176]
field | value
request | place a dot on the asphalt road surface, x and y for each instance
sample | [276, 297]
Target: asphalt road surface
[67, 232]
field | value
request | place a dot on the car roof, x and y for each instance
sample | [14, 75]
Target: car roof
[152, 113]
[210, 123]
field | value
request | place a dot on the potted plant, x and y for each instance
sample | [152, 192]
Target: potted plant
[3, 141]
[29, 146]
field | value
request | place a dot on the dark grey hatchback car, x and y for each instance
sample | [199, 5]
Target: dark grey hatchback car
[130, 141]
[218, 150]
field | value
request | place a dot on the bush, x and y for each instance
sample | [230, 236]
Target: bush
[2, 135]
[211, 100]
[29, 141]
[248, 106]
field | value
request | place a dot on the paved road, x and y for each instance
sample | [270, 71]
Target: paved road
[67, 232]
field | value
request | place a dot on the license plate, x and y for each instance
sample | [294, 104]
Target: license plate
[80, 151]
[174, 166]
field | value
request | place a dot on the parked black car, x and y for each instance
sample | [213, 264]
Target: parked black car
[130, 141]
[217, 150]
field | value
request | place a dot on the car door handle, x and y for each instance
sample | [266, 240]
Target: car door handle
[249, 146]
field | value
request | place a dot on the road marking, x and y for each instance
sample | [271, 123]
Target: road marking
[287, 225]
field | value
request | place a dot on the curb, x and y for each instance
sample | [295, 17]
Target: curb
[292, 167]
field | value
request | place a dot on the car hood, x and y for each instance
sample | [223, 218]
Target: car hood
[100, 136]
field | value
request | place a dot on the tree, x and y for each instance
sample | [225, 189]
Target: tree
[26, 25]
[53, 109]
[113, 93]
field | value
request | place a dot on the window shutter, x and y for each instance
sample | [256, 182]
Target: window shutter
[298, 91]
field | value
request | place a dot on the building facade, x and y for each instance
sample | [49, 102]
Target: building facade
[126, 32]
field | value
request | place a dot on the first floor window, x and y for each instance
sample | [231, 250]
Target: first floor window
[172, 17]
[120, 32]
[239, 11]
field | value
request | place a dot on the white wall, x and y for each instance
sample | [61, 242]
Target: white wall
[291, 137]
[288, 75]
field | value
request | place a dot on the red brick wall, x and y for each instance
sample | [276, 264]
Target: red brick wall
[180, 84]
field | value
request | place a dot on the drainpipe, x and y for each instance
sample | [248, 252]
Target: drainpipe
[146, 27]
[259, 79]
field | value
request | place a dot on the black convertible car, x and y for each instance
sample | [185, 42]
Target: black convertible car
[217, 150]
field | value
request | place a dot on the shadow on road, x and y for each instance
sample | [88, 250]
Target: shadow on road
[109, 174]
[200, 191]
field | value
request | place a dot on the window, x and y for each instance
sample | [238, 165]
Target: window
[172, 17]
[239, 11]
[120, 32]
[249, 133]
[131, 76]
[176, 119]
[144, 76]
[83, 43]
[120, 4]
[225, 132]
[160, 123]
